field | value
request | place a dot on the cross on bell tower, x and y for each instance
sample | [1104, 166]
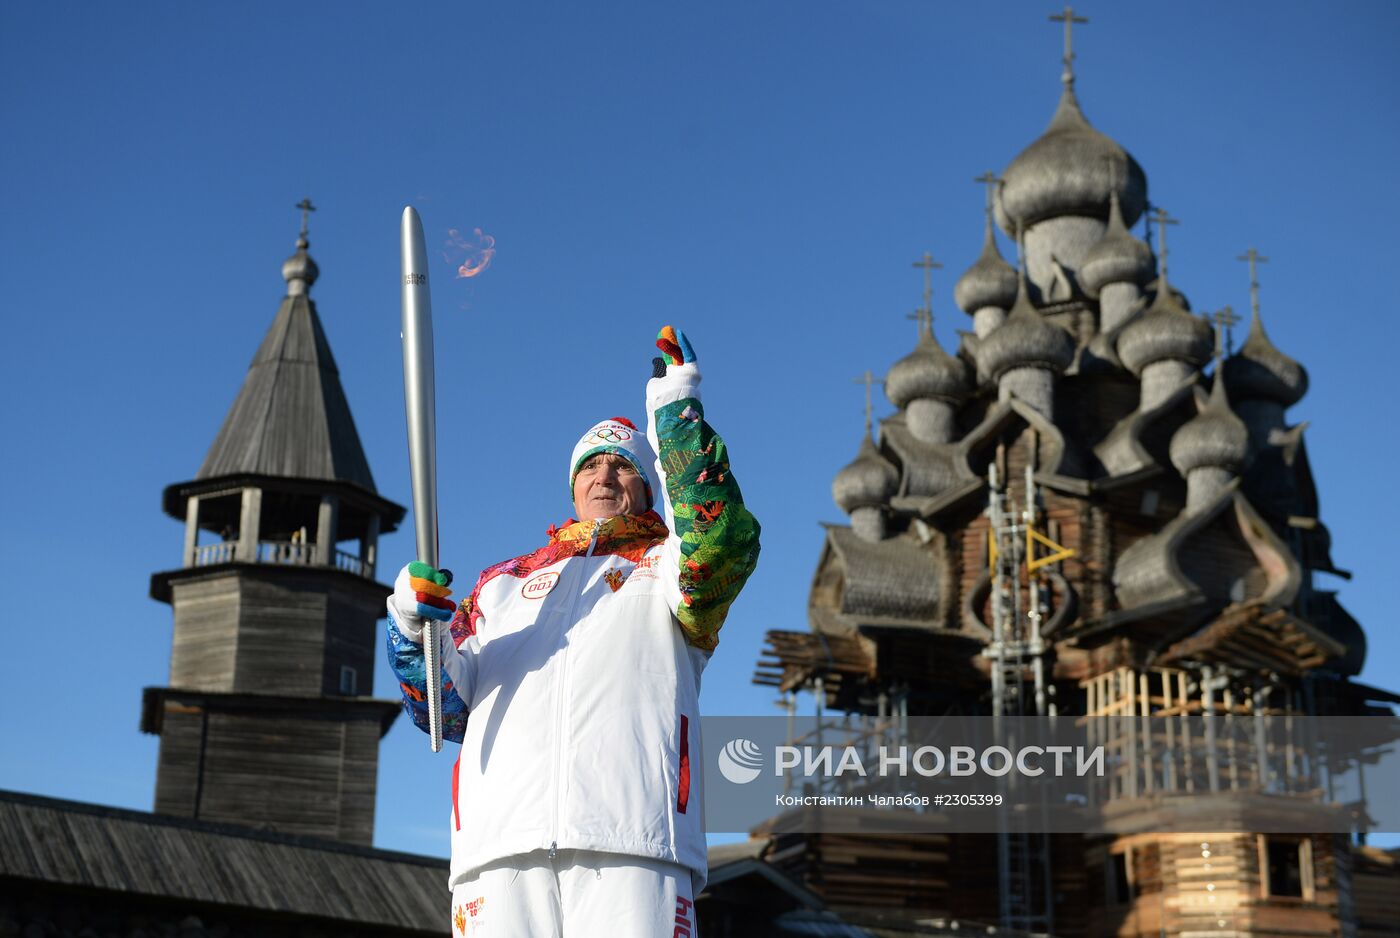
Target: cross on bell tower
[306, 208]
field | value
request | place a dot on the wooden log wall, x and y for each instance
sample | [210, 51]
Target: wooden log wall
[281, 635]
[891, 872]
[205, 642]
[1375, 891]
[1199, 884]
[273, 631]
[300, 774]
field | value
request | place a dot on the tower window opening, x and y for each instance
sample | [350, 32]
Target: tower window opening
[1287, 867]
[1120, 886]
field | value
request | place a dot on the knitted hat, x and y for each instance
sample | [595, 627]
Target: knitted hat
[620, 436]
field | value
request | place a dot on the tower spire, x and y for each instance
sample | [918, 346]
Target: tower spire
[1069, 19]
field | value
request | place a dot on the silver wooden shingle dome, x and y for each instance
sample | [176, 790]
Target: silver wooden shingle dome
[1164, 331]
[1118, 257]
[299, 270]
[1025, 340]
[1069, 170]
[1214, 438]
[990, 281]
[868, 481]
[1260, 370]
[926, 372]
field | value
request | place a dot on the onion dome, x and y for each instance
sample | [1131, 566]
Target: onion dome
[299, 270]
[1165, 331]
[1070, 170]
[1117, 257]
[1025, 340]
[926, 372]
[1214, 438]
[990, 281]
[1259, 370]
[869, 480]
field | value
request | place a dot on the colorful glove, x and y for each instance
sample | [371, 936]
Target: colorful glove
[675, 346]
[421, 591]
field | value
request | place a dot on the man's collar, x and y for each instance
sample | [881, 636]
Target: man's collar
[649, 526]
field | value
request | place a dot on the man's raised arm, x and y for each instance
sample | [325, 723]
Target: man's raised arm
[714, 538]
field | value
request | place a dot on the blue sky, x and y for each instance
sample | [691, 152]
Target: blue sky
[761, 174]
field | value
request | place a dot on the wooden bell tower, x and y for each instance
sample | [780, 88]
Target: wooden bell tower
[268, 720]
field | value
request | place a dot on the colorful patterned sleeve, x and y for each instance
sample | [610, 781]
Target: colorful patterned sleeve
[716, 535]
[406, 660]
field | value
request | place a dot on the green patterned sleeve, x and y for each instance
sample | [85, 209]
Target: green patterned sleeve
[716, 535]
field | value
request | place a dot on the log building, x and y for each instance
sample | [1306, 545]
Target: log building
[1094, 507]
[269, 738]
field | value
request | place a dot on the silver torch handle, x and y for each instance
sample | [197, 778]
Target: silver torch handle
[422, 435]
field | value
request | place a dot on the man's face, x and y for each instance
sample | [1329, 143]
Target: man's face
[607, 485]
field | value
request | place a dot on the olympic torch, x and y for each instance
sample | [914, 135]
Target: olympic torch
[420, 403]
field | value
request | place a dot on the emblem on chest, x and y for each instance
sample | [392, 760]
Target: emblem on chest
[538, 586]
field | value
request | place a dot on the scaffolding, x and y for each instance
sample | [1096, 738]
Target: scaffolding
[1207, 729]
[1020, 599]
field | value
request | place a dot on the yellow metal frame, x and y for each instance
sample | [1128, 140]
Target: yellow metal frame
[1058, 551]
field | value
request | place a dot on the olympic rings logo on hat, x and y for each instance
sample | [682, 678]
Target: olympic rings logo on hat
[610, 435]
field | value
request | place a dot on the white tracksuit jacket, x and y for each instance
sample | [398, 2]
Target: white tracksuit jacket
[574, 671]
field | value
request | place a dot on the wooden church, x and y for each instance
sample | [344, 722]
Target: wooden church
[267, 719]
[1094, 507]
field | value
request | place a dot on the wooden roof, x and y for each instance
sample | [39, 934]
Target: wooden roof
[91, 847]
[1260, 636]
[290, 418]
[794, 658]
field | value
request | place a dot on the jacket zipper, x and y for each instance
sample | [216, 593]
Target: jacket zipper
[559, 707]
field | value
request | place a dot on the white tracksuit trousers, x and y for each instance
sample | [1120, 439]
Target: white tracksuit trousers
[578, 894]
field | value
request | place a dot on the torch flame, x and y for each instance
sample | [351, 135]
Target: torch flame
[476, 253]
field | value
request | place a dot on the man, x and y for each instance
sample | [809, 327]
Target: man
[573, 683]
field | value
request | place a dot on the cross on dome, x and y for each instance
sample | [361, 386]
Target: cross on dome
[1069, 19]
[924, 318]
[306, 209]
[1162, 218]
[929, 265]
[990, 180]
[1225, 320]
[868, 379]
[1255, 259]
